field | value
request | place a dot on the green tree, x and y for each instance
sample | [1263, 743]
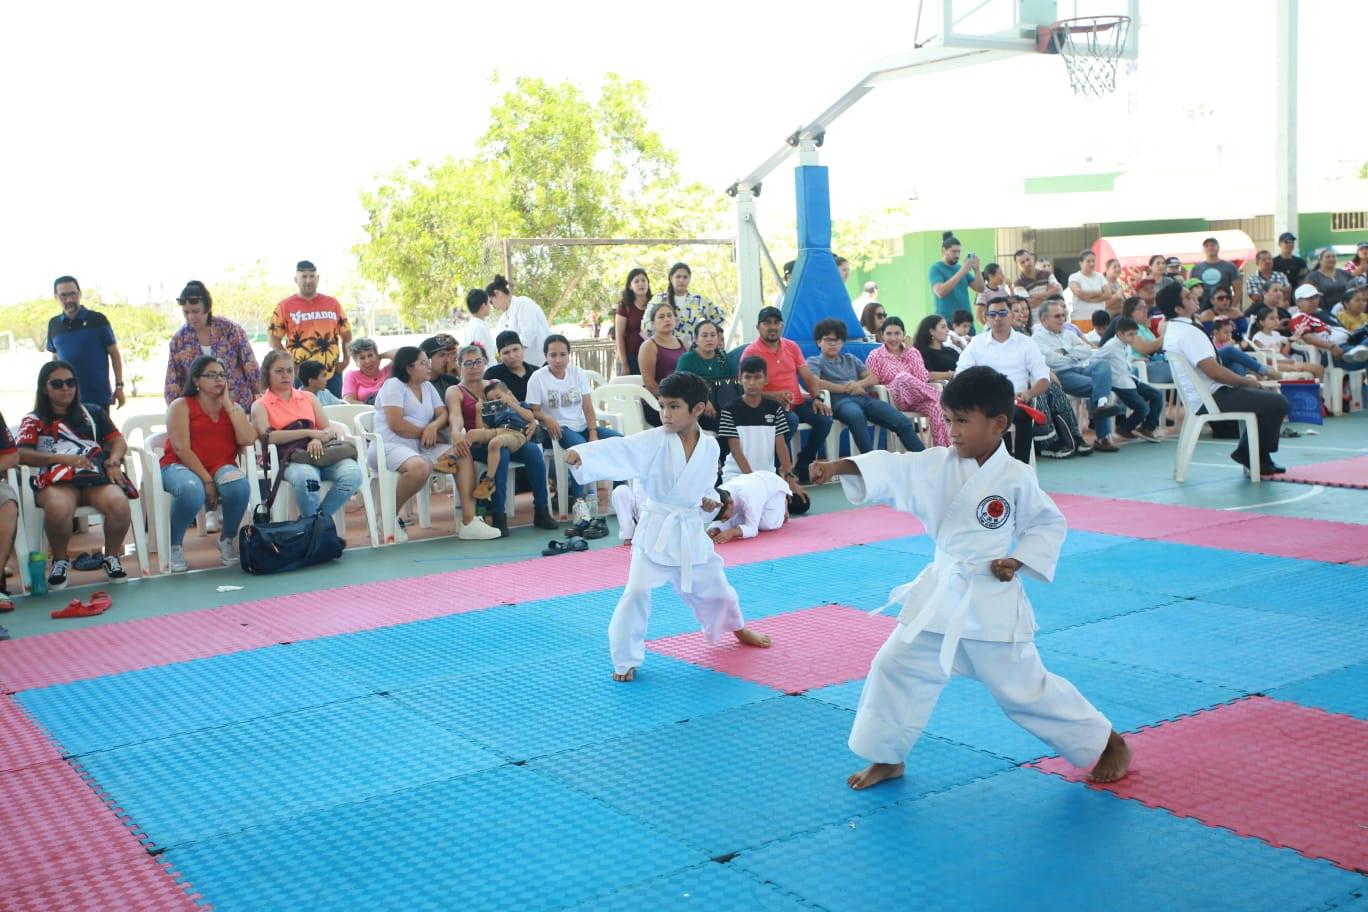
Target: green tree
[247, 295]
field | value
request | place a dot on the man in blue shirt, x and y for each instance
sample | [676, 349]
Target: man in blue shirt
[85, 340]
[951, 279]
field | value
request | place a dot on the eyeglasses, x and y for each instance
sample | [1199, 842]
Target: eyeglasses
[212, 375]
[831, 339]
[478, 362]
[998, 313]
[57, 383]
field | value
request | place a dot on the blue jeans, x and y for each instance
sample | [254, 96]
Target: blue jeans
[855, 412]
[1146, 406]
[821, 426]
[571, 438]
[1092, 383]
[307, 483]
[1242, 363]
[1159, 371]
[187, 499]
[533, 460]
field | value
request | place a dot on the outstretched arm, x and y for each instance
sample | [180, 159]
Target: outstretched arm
[821, 472]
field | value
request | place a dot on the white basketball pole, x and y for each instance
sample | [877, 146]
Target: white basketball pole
[1285, 119]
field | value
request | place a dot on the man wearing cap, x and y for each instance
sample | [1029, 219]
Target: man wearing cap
[1318, 329]
[1173, 274]
[1293, 267]
[312, 327]
[84, 339]
[1214, 271]
[1231, 392]
[1263, 278]
[786, 367]
[870, 295]
[440, 349]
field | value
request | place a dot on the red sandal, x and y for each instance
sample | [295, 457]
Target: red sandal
[99, 603]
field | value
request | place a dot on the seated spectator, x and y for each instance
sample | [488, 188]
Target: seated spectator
[441, 352]
[872, 319]
[78, 456]
[1278, 298]
[788, 377]
[9, 514]
[1145, 289]
[850, 383]
[204, 333]
[1358, 266]
[512, 369]
[709, 361]
[932, 343]
[1100, 319]
[961, 330]
[205, 429]
[360, 386]
[1220, 306]
[660, 353]
[559, 396]
[1147, 347]
[1318, 329]
[1078, 370]
[1263, 277]
[755, 503]
[754, 429]
[313, 379]
[285, 415]
[899, 367]
[1022, 320]
[1350, 311]
[1014, 356]
[479, 404]
[1146, 403]
[1232, 355]
[1268, 338]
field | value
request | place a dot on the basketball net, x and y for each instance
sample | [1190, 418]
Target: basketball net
[1091, 47]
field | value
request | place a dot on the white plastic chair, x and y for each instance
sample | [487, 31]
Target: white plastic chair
[629, 380]
[919, 420]
[595, 378]
[1192, 427]
[284, 507]
[346, 413]
[387, 481]
[624, 401]
[21, 537]
[1172, 395]
[34, 519]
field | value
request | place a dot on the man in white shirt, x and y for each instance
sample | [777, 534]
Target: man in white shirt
[1014, 356]
[1229, 390]
[870, 295]
[521, 315]
[1079, 370]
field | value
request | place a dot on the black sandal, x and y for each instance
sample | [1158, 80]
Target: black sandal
[554, 547]
[597, 528]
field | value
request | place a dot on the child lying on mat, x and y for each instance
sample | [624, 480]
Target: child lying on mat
[967, 614]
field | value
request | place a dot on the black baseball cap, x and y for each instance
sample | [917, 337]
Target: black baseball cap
[305, 266]
[1286, 236]
[769, 313]
[1174, 263]
[1210, 240]
[440, 342]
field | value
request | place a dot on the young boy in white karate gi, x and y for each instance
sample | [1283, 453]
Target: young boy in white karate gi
[967, 613]
[756, 502]
[676, 464]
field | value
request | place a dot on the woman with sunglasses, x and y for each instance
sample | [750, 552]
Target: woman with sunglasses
[78, 456]
[207, 335]
[205, 429]
[872, 319]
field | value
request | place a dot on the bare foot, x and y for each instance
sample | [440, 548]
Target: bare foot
[874, 774]
[627, 675]
[626, 543]
[751, 638]
[1114, 762]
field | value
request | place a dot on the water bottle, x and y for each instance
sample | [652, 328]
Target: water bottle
[37, 561]
[581, 511]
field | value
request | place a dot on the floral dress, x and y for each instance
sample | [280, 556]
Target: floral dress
[910, 387]
[229, 343]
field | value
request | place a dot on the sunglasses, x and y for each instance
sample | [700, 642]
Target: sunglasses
[880, 313]
[998, 313]
[1220, 297]
[57, 383]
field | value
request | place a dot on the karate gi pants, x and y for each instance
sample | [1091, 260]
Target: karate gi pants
[713, 601]
[626, 507]
[906, 679]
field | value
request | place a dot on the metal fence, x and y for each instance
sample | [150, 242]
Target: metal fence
[598, 355]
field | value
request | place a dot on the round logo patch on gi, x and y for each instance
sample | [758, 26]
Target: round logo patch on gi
[993, 511]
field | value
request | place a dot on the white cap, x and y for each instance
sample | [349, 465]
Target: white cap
[871, 287]
[1307, 291]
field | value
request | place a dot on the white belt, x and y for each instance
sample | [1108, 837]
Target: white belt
[676, 519]
[953, 578]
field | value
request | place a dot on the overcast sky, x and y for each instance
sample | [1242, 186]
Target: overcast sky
[148, 143]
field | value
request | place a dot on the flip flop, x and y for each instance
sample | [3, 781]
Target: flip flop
[99, 603]
[578, 544]
[554, 547]
[87, 561]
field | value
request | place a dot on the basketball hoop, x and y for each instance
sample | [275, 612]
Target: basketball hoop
[1090, 46]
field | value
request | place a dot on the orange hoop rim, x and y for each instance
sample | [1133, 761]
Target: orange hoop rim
[1048, 37]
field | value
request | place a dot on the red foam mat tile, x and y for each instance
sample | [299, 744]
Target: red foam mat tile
[1284, 536]
[22, 743]
[1287, 774]
[1135, 518]
[800, 657]
[142, 883]
[1337, 473]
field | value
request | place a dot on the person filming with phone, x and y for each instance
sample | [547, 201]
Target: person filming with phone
[951, 277]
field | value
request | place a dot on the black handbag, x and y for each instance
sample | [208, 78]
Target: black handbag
[277, 547]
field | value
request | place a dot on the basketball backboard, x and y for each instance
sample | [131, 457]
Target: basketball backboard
[1010, 25]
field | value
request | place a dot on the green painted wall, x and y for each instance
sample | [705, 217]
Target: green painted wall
[1156, 226]
[1072, 183]
[1313, 232]
[904, 284]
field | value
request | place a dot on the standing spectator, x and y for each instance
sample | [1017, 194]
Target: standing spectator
[872, 319]
[477, 330]
[952, 279]
[1158, 272]
[559, 395]
[660, 353]
[1231, 392]
[842, 266]
[1358, 266]
[1089, 286]
[284, 414]
[205, 334]
[709, 361]
[1287, 262]
[205, 428]
[521, 315]
[85, 340]
[870, 295]
[1173, 272]
[690, 309]
[1116, 292]
[1018, 359]
[993, 278]
[1146, 403]
[1214, 272]
[9, 514]
[1330, 281]
[785, 368]
[312, 327]
[1037, 283]
[636, 296]
[78, 456]
[852, 403]
[312, 381]
[1078, 369]
[754, 429]
[1264, 275]
[931, 341]
[360, 386]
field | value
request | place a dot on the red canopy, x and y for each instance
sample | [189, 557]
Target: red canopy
[1134, 251]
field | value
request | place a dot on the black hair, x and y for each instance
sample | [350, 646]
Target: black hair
[979, 389]
[197, 369]
[42, 402]
[829, 327]
[1160, 257]
[961, 316]
[60, 279]
[555, 337]
[754, 364]
[840, 260]
[797, 506]
[867, 317]
[404, 359]
[991, 270]
[628, 298]
[692, 388]
[702, 323]
[1020, 251]
[506, 338]
[308, 370]
[669, 276]
[1086, 252]
[195, 289]
[922, 338]
[499, 284]
[1100, 319]
[1125, 324]
[895, 321]
[1130, 303]
[949, 240]
[1219, 288]
[1169, 299]
[475, 299]
[788, 268]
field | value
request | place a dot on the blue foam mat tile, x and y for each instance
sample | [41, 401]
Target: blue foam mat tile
[710, 887]
[1080, 542]
[193, 786]
[571, 701]
[1170, 568]
[920, 545]
[110, 711]
[501, 839]
[706, 769]
[1240, 648]
[1344, 691]
[1331, 592]
[1024, 841]
[1061, 605]
[860, 576]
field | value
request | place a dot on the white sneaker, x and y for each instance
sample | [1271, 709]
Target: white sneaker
[177, 559]
[228, 552]
[476, 530]
[211, 521]
[400, 533]
[1356, 354]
